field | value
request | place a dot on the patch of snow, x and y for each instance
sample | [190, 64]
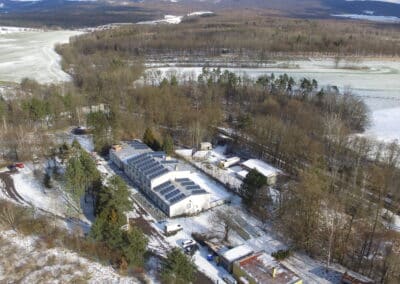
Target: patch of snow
[30, 53]
[217, 191]
[168, 19]
[385, 125]
[382, 19]
[199, 13]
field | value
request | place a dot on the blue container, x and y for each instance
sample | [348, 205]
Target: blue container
[210, 257]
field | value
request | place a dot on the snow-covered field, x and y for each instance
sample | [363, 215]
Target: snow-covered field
[372, 18]
[375, 81]
[30, 53]
[171, 19]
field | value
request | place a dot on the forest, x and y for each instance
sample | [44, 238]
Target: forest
[257, 36]
[341, 184]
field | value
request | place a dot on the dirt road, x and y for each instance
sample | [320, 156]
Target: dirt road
[7, 186]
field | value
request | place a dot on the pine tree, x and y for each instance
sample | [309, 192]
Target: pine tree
[135, 246]
[75, 176]
[178, 268]
[253, 182]
[150, 139]
[168, 145]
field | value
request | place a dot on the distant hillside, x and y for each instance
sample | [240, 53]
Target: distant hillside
[69, 13]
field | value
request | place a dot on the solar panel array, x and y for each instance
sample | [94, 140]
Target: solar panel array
[139, 145]
[162, 186]
[172, 194]
[148, 165]
[188, 184]
[175, 199]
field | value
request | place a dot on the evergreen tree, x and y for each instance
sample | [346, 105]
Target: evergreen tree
[168, 145]
[178, 268]
[150, 139]
[135, 246]
[253, 182]
[75, 176]
[115, 195]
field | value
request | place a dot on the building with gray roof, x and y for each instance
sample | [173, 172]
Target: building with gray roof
[161, 179]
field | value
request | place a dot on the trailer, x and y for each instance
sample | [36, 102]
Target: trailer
[226, 163]
[172, 229]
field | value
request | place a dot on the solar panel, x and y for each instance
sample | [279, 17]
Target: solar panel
[177, 198]
[192, 187]
[159, 173]
[167, 190]
[182, 179]
[172, 194]
[162, 186]
[186, 183]
[199, 191]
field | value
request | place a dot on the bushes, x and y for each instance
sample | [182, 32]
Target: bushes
[282, 254]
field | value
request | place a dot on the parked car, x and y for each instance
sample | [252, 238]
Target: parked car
[20, 165]
[186, 243]
[12, 168]
[191, 250]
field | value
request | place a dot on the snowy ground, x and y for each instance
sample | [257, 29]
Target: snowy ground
[375, 81]
[30, 53]
[209, 162]
[372, 18]
[55, 200]
[28, 260]
[171, 19]
[261, 238]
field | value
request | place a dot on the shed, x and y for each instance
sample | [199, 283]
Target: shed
[205, 146]
[262, 268]
[263, 168]
[228, 257]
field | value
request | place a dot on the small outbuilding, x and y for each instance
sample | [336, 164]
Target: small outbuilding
[205, 146]
[262, 268]
[229, 256]
[270, 172]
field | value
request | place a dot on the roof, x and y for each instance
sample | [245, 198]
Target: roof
[152, 164]
[237, 253]
[176, 190]
[262, 167]
[131, 149]
[356, 277]
[263, 268]
[155, 164]
[242, 174]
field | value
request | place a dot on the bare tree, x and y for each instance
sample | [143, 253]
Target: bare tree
[222, 221]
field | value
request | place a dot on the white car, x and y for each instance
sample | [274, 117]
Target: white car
[187, 243]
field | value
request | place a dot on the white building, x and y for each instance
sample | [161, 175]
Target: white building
[270, 172]
[161, 179]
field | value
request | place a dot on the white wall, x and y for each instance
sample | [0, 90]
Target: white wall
[190, 205]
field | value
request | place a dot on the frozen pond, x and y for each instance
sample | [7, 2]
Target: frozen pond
[376, 81]
[30, 53]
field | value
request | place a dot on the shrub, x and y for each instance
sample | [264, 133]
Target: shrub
[281, 254]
